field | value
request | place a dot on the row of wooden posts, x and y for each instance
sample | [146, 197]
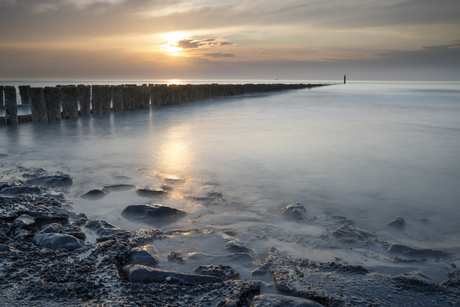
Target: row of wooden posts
[48, 104]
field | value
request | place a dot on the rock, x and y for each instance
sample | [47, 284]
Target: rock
[352, 234]
[175, 256]
[20, 190]
[410, 252]
[453, 280]
[277, 300]
[118, 187]
[174, 180]
[57, 241]
[152, 213]
[145, 274]
[145, 192]
[397, 223]
[103, 228]
[3, 155]
[224, 272]
[235, 245]
[295, 211]
[51, 181]
[24, 221]
[145, 255]
[5, 248]
[93, 195]
[51, 228]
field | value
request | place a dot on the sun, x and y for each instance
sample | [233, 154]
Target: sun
[171, 46]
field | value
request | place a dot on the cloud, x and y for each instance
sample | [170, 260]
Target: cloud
[219, 55]
[201, 43]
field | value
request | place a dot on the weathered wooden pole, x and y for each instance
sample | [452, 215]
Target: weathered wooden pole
[96, 100]
[11, 106]
[129, 97]
[24, 94]
[53, 103]
[69, 102]
[1, 95]
[345, 79]
[106, 99]
[38, 104]
[84, 97]
[118, 92]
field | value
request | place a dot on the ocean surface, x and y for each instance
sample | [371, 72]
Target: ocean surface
[368, 151]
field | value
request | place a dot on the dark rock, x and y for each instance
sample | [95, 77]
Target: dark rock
[276, 300]
[175, 256]
[93, 195]
[145, 255]
[51, 228]
[145, 274]
[24, 221]
[57, 241]
[410, 252]
[5, 248]
[453, 281]
[224, 272]
[397, 224]
[20, 190]
[118, 187]
[235, 245]
[3, 155]
[295, 211]
[152, 213]
[103, 228]
[352, 234]
[145, 192]
[51, 181]
[174, 180]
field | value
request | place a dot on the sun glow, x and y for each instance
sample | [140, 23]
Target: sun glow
[171, 46]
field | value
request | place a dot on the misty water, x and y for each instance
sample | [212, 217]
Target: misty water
[368, 151]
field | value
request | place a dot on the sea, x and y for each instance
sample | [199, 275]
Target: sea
[366, 151]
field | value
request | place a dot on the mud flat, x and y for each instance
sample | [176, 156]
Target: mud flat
[52, 256]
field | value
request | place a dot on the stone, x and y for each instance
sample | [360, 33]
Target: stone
[295, 211]
[151, 213]
[221, 271]
[410, 252]
[145, 274]
[397, 223]
[24, 221]
[103, 228]
[51, 228]
[57, 241]
[94, 195]
[20, 190]
[353, 234]
[176, 256]
[277, 300]
[118, 187]
[146, 192]
[144, 255]
[51, 181]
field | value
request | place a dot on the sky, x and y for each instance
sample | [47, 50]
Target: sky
[230, 40]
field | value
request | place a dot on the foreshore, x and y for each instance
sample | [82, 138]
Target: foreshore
[50, 104]
[47, 257]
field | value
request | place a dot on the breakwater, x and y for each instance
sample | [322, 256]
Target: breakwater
[49, 104]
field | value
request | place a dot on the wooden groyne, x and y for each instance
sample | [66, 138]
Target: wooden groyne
[49, 104]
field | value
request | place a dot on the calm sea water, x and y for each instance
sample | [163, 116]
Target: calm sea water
[369, 151]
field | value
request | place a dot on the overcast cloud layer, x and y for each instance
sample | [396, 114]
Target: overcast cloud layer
[214, 39]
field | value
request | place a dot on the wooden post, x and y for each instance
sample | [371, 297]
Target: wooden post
[53, 103]
[37, 104]
[345, 79]
[24, 93]
[1, 95]
[11, 106]
[118, 98]
[69, 102]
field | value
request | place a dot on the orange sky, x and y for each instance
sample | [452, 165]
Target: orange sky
[212, 39]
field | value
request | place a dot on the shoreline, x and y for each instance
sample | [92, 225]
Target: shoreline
[34, 209]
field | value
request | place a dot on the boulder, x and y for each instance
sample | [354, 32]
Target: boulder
[93, 195]
[295, 211]
[224, 272]
[118, 187]
[146, 192]
[57, 241]
[145, 255]
[152, 213]
[397, 223]
[24, 221]
[145, 274]
[410, 252]
[51, 181]
[20, 190]
[277, 300]
[51, 228]
[353, 234]
[103, 228]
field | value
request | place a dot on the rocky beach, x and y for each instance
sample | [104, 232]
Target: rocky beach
[54, 256]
